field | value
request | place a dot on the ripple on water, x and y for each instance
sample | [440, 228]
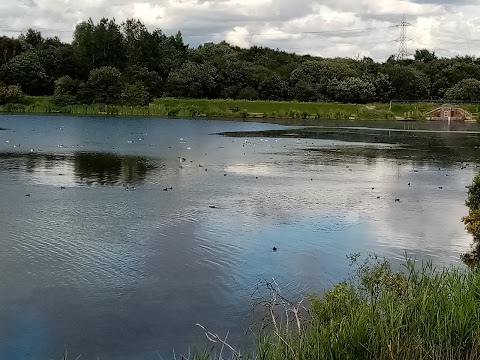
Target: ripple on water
[76, 255]
[140, 259]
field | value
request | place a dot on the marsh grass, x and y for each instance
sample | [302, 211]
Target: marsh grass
[236, 109]
[419, 313]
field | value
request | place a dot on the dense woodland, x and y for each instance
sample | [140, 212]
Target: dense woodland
[125, 63]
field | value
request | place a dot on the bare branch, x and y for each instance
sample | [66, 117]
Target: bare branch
[216, 339]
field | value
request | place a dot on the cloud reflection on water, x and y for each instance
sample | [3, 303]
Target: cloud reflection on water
[123, 264]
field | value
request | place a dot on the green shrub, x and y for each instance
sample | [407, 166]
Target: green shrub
[135, 94]
[66, 91]
[193, 110]
[11, 94]
[173, 111]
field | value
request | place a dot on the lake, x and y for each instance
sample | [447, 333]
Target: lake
[119, 235]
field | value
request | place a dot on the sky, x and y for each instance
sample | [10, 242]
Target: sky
[327, 28]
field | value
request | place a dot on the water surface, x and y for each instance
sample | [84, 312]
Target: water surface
[118, 235]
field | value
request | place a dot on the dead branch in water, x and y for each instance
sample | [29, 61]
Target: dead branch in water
[214, 338]
[280, 312]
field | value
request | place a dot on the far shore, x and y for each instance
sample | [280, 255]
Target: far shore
[297, 113]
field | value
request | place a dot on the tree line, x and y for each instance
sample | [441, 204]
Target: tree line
[126, 63]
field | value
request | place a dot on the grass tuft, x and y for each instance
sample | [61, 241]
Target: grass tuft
[381, 314]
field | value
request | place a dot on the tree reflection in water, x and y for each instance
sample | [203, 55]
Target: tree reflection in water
[110, 169]
[85, 167]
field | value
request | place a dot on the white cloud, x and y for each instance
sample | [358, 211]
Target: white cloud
[150, 14]
[239, 36]
[325, 28]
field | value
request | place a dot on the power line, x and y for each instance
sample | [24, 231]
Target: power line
[323, 31]
[343, 33]
[452, 36]
[12, 30]
[370, 43]
[19, 30]
[443, 40]
[439, 48]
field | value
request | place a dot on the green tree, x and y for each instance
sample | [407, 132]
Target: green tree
[320, 74]
[280, 62]
[368, 67]
[9, 48]
[27, 71]
[274, 88]
[150, 79]
[425, 56]
[154, 51]
[165, 65]
[218, 54]
[84, 41]
[304, 91]
[254, 74]
[473, 194]
[248, 93]
[195, 81]
[465, 90]
[104, 85]
[32, 39]
[352, 90]
[136, 42]
[383, 86]
[450, 72]
[232, 74]
[135, 94]
[472, 221]
[408, 83]
[163, 54]
[101, 44]
[230, 92]
[66, 90]
[60, 61]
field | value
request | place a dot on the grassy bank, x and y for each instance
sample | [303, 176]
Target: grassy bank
[237, 109]
[420, 314]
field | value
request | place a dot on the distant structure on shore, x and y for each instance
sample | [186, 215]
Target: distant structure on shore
[447, 112]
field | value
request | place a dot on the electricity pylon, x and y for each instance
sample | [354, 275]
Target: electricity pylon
[402, 40]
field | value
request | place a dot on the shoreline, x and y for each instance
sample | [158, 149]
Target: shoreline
[277, 112]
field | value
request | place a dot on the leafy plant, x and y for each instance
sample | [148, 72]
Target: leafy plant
[11, 94]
